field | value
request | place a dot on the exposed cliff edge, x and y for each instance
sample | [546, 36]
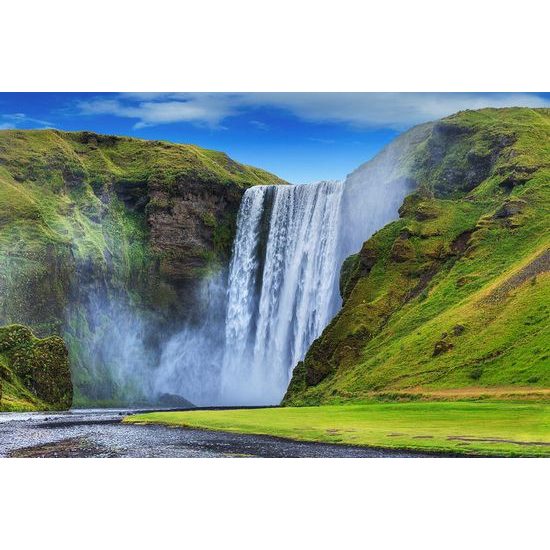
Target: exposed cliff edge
[453, 297]
[34, 373]
[93, 226]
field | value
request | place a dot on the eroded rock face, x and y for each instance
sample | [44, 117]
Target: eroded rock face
[402, 250]
[191, 224]
[460, 163]
[510, 208]
[94, 212]
[41, 366]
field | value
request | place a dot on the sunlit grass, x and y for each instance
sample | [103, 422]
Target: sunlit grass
[471, 428]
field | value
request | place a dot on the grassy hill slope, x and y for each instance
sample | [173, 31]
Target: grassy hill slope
[453, 299]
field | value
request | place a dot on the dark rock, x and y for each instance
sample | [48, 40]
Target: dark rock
[423, 281]
[449, 129]
[460, 244]
[176, 401]
[442, 346]
[513, 177]
[458, 330]
[425, 211]
[179, 235]
[347, 274]
[368, 258]
[510, 208]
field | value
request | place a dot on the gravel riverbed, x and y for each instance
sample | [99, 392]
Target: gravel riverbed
[101, 433]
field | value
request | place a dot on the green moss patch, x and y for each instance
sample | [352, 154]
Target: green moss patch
[34, 373]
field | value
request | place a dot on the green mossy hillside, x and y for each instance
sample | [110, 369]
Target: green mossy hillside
[452, 299]
[34, 373]
[146, 215]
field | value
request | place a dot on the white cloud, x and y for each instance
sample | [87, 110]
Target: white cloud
[390, 110]
[366, 110]
[15, 120]
[204, 109]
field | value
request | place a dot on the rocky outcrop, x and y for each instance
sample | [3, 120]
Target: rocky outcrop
[150, 216]
[34, 373]
[191, 224]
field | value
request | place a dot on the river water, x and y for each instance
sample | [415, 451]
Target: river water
[101, 433]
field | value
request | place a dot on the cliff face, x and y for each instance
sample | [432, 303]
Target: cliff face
[453, 297]
[34, 373]
[150, 216]
[87, 219]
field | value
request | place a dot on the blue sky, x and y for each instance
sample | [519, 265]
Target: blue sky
[302, 137]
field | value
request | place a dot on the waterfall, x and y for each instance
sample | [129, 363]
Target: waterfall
[281, 286]
[253, 323]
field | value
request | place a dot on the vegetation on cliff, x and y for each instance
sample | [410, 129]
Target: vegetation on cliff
[34, 372]
[453, 298]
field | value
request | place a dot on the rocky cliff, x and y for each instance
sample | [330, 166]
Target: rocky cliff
[88, 220]
[451, 299]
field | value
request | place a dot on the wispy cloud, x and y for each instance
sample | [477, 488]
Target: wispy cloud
[17, 120]
[390, 110]
[152, 109]
[362, 110]
[260, 125]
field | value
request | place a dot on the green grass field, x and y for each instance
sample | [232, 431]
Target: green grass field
[469, 428]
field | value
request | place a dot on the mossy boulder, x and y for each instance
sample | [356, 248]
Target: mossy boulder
[33, 370]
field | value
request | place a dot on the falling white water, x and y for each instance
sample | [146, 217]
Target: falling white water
[280, 288]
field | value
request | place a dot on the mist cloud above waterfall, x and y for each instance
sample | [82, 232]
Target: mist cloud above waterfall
[367, 110]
